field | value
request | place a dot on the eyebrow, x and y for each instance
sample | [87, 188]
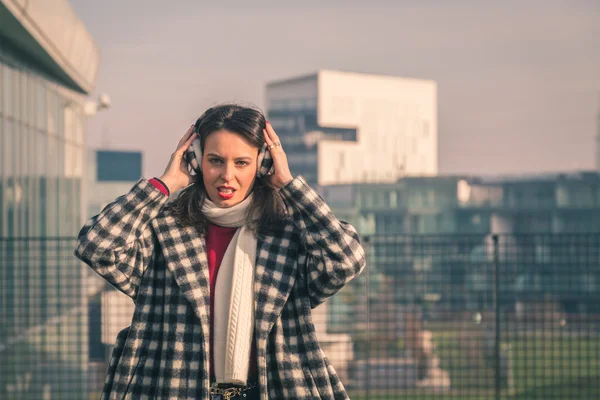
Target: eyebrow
[237, 159]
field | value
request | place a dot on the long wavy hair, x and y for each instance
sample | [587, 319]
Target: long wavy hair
[267, 210]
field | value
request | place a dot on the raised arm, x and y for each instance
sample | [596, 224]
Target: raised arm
[332, 253]
[118, 243]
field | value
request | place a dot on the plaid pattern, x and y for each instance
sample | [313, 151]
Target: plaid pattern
[265, 162]
[136, 245]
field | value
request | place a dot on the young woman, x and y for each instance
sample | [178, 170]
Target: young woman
[225, 275]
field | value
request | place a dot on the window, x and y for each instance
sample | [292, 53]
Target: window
[52, 109]
[40, 108]
[357, 199]
[41, 140]
[78, 129]
[283, 123]
[302, 158]
[380, 199]
[17, 94]
[7, 89]
[369, 199]
[68, 123]
[118, 166]
[393, 199]
[562, 196]
[8, 148]
[52, 162]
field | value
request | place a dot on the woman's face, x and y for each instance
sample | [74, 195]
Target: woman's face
[228, 168]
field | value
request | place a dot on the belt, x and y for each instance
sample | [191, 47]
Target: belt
[227, 393]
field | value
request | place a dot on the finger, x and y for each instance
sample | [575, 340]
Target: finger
[188, 140]
[274, 139]
[267, 138]
[189, 134]
[272, 133]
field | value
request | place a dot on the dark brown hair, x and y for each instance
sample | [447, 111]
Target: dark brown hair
[267, 210]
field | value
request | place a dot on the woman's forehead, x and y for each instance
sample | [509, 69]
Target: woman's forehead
[229, 143]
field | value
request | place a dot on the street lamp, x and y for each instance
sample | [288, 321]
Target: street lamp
[90, 108]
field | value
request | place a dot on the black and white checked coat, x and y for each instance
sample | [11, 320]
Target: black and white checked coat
[137, 246]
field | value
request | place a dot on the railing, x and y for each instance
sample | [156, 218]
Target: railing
[449, 317]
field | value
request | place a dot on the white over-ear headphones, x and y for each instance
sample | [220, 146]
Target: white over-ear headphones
[194, 157]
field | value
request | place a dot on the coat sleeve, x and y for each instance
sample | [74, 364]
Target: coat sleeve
[118, 243]
[331, 251]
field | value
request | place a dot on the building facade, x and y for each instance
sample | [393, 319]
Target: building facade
[342, 127]
[436, 235]
[540, 204]
[48, 64]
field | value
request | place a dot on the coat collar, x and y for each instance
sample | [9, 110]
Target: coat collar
[184, 250]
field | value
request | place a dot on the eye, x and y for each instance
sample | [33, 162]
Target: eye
[243, 163]
[213, 160]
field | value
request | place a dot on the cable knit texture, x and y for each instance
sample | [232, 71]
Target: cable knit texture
[234, 296]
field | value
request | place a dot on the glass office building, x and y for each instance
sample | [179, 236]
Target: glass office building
[48, 64]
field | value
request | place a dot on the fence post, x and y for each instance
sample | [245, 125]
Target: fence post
[497, 375]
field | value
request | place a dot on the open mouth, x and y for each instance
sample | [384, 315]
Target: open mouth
[225, 192]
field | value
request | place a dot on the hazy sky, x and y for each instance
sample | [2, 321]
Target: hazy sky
[518, 81]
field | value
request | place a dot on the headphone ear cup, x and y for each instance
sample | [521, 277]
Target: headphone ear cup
[194, 156]
[194, 153]
[264, 163]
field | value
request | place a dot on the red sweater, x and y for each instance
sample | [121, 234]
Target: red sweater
[217, 240]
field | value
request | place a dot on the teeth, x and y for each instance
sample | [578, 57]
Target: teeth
[226, 191]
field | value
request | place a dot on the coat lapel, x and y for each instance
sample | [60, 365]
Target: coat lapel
[184, 249]
[185, 254]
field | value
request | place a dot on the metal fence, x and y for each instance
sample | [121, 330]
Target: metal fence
[432, 317]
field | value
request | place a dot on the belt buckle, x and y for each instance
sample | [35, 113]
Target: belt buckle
[230, 392]
[225, 394]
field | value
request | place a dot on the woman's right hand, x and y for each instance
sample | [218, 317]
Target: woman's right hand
[176, 175]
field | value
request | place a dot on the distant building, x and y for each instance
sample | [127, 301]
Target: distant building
[111, 173]
[343, 127]
[560, 203]
[440, 230]
[413, 205]
[48, 65]
[547, 203]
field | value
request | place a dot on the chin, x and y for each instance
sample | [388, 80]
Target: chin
[225, 203]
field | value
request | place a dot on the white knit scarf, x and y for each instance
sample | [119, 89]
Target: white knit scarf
[234, 295]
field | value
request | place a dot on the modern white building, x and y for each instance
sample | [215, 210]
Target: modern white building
[48, 65]
[344, 127]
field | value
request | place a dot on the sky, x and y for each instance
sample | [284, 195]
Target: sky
[518, 81]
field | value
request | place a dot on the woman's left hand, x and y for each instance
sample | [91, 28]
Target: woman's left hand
[281, 175]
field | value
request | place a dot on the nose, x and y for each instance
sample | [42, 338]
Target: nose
[227, 172]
